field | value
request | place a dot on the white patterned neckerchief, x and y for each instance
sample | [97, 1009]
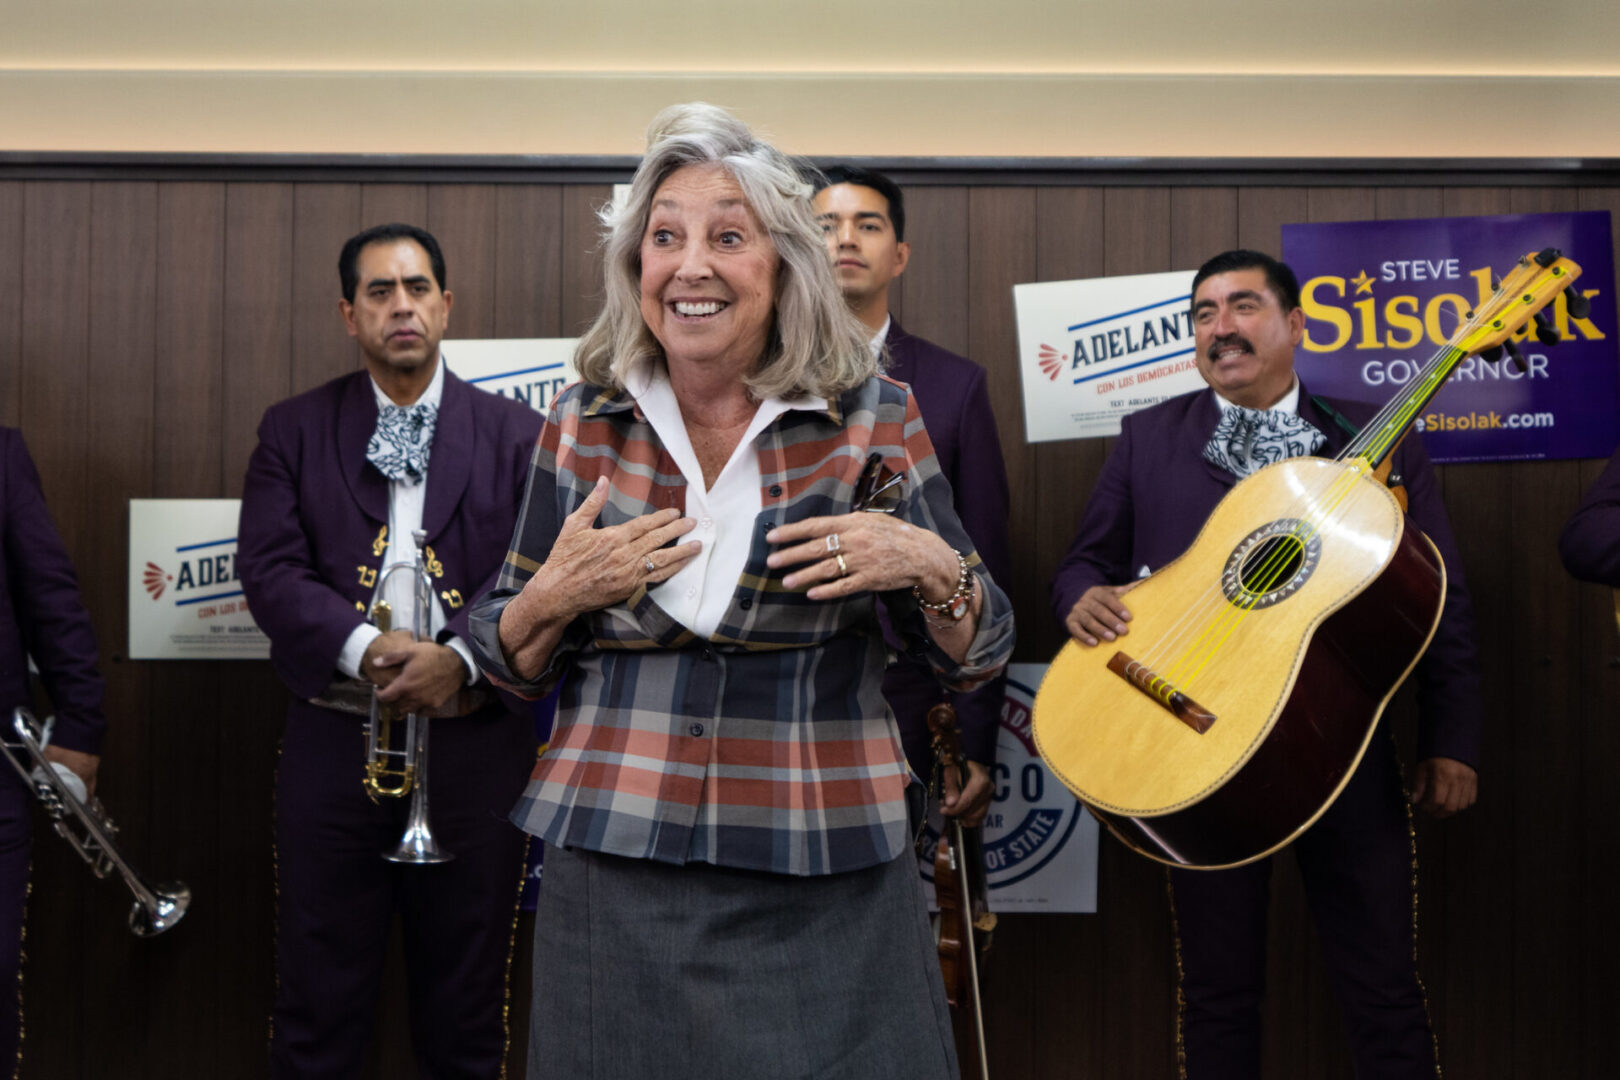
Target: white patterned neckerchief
[404, 437]
[1249, 439]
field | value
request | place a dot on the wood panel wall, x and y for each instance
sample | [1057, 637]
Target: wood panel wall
[145, 324]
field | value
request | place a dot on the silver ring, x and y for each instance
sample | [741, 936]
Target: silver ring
[832, 542]
[646, 561]
[843, 571]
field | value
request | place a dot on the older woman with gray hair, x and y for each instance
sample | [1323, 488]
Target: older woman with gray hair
[713, 514]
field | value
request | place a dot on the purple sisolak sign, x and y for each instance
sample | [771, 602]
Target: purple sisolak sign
[1382, 297]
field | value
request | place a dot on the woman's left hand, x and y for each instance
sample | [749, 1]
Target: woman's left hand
[878, 553]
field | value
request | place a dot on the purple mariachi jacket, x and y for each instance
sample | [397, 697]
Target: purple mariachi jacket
[1156, 490]
[314, 510]
[41, 613]
[1590, 543]
[955, 402]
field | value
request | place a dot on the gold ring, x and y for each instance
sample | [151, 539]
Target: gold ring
[843, 571]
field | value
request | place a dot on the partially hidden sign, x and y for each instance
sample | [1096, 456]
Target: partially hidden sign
[185, 597]
[1092, 351]
[1040, 845]
[530, 370]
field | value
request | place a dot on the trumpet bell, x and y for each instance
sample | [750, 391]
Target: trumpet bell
[168, 907]
[418, 847]
[89, 830]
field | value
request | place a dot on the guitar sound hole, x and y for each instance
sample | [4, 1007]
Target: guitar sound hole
[1271, 564]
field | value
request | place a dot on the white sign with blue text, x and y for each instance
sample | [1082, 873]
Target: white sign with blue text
[185, 598]
[1091, 351]
[530, 370]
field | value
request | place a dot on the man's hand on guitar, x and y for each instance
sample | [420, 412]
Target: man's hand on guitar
[1444, 786]
[1098, 614]
[970, 801]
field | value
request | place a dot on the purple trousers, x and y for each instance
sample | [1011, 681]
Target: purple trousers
[336, 896]
[1357, 864]
[16, 831]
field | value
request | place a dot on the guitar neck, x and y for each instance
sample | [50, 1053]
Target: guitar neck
[1384, 431]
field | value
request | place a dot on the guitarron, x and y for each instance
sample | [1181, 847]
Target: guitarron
[1260, 660]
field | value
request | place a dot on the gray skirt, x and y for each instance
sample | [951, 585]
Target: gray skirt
[645, 971]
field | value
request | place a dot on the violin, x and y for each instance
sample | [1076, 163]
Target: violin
[960, 888]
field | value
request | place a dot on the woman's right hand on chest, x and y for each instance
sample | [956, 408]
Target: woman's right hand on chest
[590, 568]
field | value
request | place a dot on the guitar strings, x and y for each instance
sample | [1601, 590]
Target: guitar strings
[1229, 614]
[1386, 427]
[1385, 431]
[1264, 578]
[1297, 540]
[1214, 602]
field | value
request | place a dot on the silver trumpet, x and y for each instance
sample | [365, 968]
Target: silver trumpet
[84, 824]
[393, 771]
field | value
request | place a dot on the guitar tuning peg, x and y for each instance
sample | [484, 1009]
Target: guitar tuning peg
[1546, 332]
[1577, 303]
[1491, 355]
[1516, 355]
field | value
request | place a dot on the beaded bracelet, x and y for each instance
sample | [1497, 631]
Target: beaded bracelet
[955, 606]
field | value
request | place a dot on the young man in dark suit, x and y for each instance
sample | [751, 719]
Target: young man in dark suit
[341, 477]
[1172, 464]
[862, 213]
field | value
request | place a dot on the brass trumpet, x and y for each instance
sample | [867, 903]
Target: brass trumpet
[396, 771]
[157, 908]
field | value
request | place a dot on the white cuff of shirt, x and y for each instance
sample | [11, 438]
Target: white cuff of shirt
[354, 649]
[464, 651]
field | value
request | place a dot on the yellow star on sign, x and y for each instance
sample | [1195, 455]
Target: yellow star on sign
[1363, 283]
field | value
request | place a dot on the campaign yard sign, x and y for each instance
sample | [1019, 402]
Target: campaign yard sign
[1381, 298]
[1092, 351]
[530, 370]
[184, 593]
[1040, 846]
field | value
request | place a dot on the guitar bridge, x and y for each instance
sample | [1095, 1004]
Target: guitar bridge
[1163, 691]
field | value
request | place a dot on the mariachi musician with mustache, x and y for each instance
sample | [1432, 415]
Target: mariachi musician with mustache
[1172, 464]
[341, 477]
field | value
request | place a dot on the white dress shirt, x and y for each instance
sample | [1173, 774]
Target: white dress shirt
[876, 344]
[406, 503]
[699, 593]
[1289, 402]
